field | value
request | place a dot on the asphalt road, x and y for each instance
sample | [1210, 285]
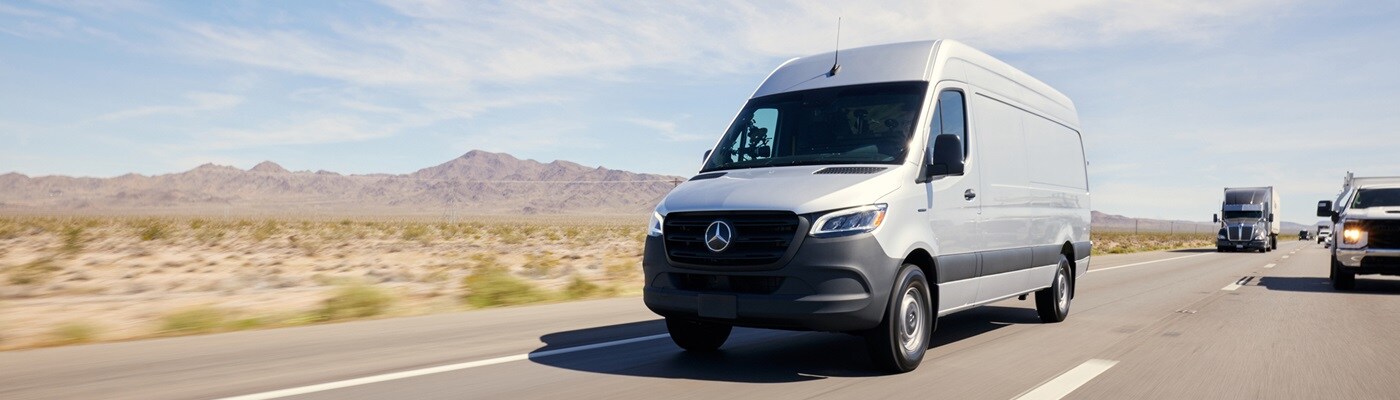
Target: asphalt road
[1190, 324]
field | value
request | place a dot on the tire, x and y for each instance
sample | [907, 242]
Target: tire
[1341, 278]
[898, 344]
[697, 336]
[1052, 303]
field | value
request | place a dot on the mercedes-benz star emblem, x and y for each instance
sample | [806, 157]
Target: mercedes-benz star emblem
[718, 235]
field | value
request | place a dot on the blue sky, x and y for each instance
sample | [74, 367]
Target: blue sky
[1177, 99]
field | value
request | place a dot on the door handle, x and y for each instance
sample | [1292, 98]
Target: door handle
[969, 194]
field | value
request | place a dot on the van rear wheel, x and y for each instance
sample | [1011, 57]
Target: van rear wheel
[1052, 303]
[697, 336]
[899, 343]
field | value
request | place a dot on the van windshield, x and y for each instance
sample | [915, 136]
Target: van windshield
[1366, 198]
[861, 124]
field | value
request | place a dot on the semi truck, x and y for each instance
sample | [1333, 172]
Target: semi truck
[1247, 220]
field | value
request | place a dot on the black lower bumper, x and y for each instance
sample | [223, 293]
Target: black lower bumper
[1227, 245]
[834, 284]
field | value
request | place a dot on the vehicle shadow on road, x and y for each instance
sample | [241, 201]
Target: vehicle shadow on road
[753, 355]
[1322, 285]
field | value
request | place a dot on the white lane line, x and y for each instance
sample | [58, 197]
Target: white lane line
[1146, 262]
[434, 370]
[1285, 256]
[1067, 382]
[1239, 283]
[1269, 265]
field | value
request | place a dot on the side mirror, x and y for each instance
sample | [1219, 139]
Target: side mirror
[947, 156]
[1215, 218]
[706, 157]
[1324, 208]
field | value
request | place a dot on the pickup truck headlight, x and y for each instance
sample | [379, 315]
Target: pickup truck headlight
[654, 227]
[1352, 233]
[849, 221]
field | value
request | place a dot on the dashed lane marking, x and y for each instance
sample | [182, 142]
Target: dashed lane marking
[1067, 382]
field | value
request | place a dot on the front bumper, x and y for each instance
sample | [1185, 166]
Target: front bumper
[1370, 261]
[829, 284]
[1222, 244]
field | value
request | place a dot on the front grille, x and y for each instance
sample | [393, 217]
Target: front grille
[1238, 233]
[1382, 234]
[727, 283]
[760, 237]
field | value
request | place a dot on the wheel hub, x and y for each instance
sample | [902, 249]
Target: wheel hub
[911, 322]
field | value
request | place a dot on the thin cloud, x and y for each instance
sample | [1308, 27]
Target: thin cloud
[198, 102]
[668, 130]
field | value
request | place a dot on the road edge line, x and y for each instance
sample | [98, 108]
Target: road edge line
[1144, 263]
[296, 391]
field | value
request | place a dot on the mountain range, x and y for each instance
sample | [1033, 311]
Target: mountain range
[476, 183]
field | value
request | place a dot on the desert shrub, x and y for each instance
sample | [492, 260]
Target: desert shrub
[73, 332]
[266, 230]
[540, 265]
[199, 319]
[152, 229]
[580, 288]
[355, 301]
[35, 272]
[491, 286]
[73, 240]
[621, 269]
[417, 233]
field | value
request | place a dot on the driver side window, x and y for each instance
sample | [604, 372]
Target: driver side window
[949, 117]
[756, 137]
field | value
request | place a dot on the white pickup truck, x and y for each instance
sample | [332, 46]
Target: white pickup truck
[1367, 217]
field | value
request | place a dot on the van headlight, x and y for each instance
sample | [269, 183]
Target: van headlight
[849, 221]
[654, 227]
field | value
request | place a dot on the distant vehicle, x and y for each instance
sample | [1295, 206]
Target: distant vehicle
[1303, 234]
[1324, 232]
[1247, 220]
[907, 182]
[1368, 213]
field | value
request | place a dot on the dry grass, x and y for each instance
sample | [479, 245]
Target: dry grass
[1109, 242]
[144, 276]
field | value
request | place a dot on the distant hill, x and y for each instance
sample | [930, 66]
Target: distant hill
[478, 182]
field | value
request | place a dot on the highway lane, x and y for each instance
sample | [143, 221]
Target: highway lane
[1162, 323]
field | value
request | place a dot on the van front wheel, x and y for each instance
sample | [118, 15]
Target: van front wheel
[1052, 303]
[899, 343]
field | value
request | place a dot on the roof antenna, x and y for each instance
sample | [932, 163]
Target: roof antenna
[836, 62]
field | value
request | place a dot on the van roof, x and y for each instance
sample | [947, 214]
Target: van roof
[919, 61]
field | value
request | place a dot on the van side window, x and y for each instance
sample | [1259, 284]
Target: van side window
[756, 137]
[949, 117]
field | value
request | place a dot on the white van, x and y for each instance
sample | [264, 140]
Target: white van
[909, 181]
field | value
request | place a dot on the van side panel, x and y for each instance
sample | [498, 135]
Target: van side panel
[1003, 167]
